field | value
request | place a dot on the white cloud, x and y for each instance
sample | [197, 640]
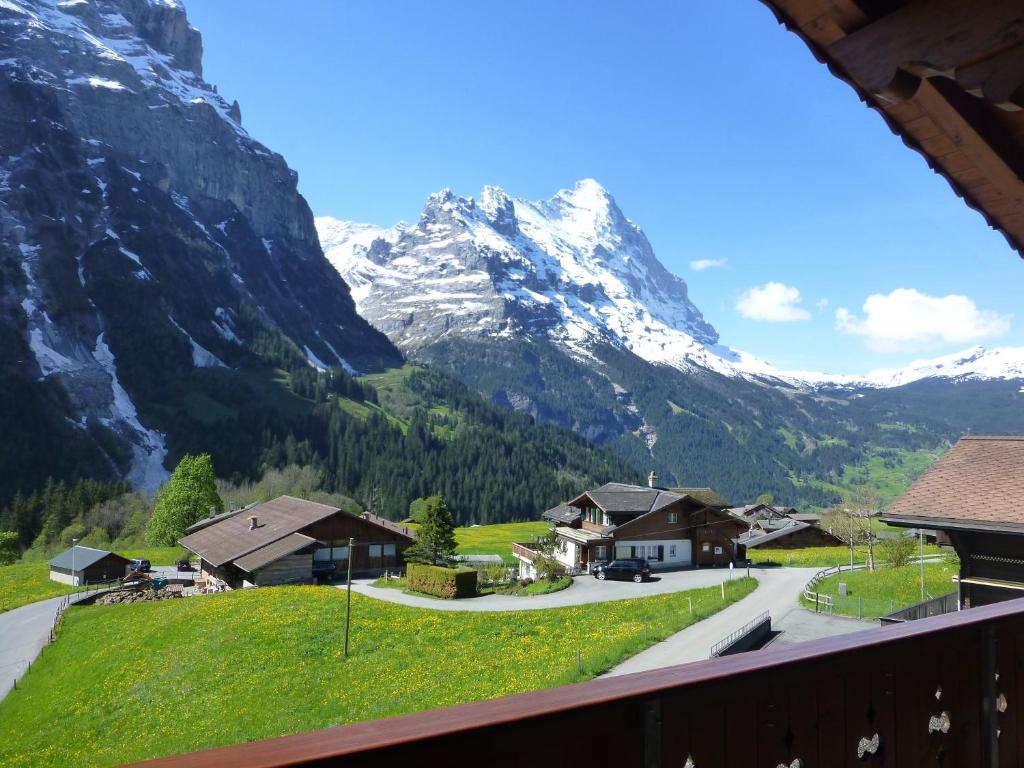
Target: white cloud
[772, 302]
[908, 319]
[821, 304]
[699, 265]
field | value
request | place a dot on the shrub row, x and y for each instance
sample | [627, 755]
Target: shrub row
[442, 582]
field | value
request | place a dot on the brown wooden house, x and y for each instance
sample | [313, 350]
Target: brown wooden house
[973, 494]
[671, 528]
[291, 540]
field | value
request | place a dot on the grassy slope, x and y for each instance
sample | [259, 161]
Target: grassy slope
[497, 539]
[269, 662]
[820, 557]
[24, 583]
[876, 593]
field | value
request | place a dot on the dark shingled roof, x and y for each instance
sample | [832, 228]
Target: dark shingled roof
[633, 499]
[980, 482]
[84, 557]
[230, 538]
[564, 514]
[290, 544]
[391, 525]
[640, 499]
[756, 537]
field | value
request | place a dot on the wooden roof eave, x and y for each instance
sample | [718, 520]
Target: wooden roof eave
[876, 104]
[951, 524]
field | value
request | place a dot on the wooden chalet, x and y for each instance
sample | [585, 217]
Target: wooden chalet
[973, 494]
[670, 528]
[290, 540]
[86, 565]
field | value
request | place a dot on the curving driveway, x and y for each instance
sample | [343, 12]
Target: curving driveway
[585, 589]
[776, 592]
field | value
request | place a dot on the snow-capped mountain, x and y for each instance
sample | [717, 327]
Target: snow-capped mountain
[573, 269]
[144, 235]
[977, 363]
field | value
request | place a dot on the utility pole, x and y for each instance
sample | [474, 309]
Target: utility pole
[871, 541]
[849, 514]
[920, 537]
[348, 589]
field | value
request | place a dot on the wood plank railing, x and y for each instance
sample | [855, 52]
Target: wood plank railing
[524, 550]
[947, 690]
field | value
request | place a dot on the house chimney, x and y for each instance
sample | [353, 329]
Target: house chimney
[652, 478]
[252, 523]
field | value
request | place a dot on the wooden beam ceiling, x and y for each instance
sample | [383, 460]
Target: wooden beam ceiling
[947, 76]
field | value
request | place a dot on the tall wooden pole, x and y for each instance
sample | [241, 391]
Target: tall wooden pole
[920, 538]
[348, 589]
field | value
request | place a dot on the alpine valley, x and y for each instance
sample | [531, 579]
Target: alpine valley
[164, 291]
[560, 309]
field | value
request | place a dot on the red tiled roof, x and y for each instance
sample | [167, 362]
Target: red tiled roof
[980, 480]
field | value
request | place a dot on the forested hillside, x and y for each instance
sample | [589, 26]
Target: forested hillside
[394, 436]
[805, 447]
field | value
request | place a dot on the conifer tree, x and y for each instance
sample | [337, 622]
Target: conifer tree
[435, 540]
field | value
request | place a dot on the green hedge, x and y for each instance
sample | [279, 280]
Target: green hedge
[442, 582]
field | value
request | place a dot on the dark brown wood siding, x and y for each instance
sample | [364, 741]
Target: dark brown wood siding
[371, 541]
[988, 555]
[656, 525]
[714, 530]
[291, 569]
[106, 569]
[807, 537]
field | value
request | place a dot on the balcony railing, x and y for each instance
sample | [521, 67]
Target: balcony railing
[524, 550]
[947, 690]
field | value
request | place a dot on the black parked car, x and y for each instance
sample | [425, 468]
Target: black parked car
[633, 568]
[139, 566]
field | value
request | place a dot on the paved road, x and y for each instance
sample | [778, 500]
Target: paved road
[802, 625]
[23, 633]
[585, 589]
[776, 593]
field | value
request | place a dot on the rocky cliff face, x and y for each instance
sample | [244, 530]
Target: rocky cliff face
[143, 232]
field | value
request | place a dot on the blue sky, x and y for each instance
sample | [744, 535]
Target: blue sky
[716, 131]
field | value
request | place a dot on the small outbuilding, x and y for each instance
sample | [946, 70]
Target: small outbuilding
[84, 565]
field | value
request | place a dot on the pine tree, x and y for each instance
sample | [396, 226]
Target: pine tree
[435, 540]
[184, 500]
